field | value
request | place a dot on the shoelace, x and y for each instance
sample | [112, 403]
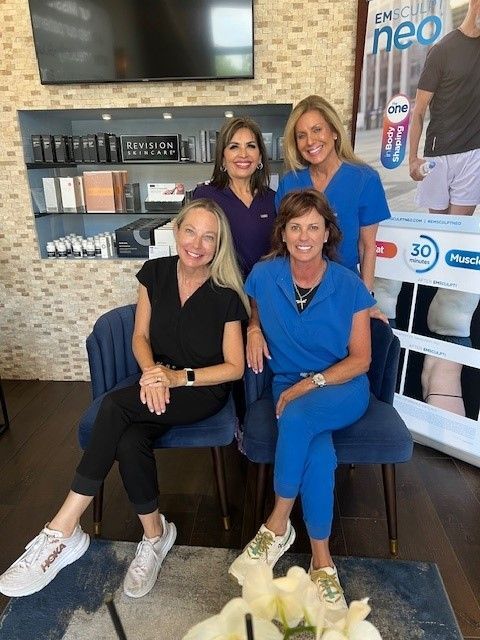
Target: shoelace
[260, 544]
[144, 550]
[328, 584]
[35, 547]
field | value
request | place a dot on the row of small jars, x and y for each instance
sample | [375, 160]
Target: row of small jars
[76, 246]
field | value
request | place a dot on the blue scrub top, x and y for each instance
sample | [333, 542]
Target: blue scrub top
[251, 226]
[356, 195]
[316, 338]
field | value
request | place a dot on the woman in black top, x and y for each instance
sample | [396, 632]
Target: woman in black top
[188, 343]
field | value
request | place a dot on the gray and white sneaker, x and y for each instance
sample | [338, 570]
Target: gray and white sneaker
[44, 557]
[328, 586]
[265, 548]
[143, 570]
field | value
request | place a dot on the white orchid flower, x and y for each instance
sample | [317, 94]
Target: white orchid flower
[229, 624]
[289, 600]
[352, 625]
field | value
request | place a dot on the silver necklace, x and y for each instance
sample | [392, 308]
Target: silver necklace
[302, 297]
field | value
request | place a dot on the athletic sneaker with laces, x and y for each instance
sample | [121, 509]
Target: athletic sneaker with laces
[328, 586]
[144, 568]
[44, 557]
[265, 547]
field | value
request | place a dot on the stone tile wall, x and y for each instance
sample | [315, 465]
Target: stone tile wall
[48, 308]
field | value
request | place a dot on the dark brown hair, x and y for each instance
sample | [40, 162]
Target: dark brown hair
[260, 179]
[297, 204]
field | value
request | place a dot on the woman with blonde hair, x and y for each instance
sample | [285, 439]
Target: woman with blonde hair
[318, 155]
[188, 343]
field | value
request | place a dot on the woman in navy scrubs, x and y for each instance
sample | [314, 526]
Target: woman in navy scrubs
[239, 185]
[312, 317]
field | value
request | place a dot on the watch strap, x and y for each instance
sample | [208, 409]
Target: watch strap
[190, 377]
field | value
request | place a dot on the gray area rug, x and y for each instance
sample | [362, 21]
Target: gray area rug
[408, 598]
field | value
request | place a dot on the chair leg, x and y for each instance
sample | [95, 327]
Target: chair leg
[6, 422]
[260, 493]
[390, 492]
[97, 512]
[219, 468]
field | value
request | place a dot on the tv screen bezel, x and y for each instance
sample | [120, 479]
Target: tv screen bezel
[144, 80]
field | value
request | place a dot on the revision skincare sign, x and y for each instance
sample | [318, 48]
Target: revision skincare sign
[164, 148]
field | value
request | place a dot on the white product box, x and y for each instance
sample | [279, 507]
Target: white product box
[53, 196]
[67, 189]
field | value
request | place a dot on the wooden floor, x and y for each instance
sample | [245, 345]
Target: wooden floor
[439, 497]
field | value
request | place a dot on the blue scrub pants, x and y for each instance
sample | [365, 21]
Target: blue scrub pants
[305, 459]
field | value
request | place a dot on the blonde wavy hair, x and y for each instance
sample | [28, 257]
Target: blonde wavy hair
[224, 269]
[343, 147]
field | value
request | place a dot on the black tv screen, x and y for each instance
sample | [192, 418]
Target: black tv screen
[80, 41]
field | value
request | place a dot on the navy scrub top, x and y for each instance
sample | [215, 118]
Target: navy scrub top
[251, 226]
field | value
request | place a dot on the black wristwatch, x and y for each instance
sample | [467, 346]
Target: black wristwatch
[190, 377]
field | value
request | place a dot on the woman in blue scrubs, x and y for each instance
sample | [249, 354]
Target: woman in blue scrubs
[313, 314]
[319, 155]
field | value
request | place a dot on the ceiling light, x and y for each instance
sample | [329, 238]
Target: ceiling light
[106, 116]
[167, 115]
[228, 114]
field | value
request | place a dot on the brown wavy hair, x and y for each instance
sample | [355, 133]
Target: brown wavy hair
[259, 181]
[295, 205]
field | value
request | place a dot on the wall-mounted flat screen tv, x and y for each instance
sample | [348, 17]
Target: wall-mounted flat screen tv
[79, 41]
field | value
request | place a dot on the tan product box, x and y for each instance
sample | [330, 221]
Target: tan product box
[99, 191]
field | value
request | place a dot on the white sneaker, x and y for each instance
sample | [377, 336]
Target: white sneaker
[328, 586]
[44, 557]
[143, 570]
[265, 547]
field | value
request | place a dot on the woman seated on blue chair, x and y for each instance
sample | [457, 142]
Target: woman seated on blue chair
[310, 318]
[188, 343]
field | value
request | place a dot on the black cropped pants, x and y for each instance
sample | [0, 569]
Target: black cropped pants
[125, 430]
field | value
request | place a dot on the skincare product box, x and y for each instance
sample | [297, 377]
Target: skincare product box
[37, 148]
[52, 193]
[165, 197]
[134, 238]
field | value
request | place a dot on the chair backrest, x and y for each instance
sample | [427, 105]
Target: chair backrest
[382, 373]
[109, 348]
[385, 358]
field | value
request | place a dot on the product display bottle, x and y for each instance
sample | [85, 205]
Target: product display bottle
[426, 167]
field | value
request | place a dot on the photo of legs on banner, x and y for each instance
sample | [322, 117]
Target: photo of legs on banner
[442, 384]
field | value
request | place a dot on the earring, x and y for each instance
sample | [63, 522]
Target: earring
[260, 166]
[222, 168]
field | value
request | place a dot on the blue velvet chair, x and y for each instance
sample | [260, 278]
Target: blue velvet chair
[379, 437]
[113, 366]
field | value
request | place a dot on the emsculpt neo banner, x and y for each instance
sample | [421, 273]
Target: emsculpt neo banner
[418, 124]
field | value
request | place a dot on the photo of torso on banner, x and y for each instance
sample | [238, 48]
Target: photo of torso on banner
[418, 124]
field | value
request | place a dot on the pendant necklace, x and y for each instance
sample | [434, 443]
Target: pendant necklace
[302, 299]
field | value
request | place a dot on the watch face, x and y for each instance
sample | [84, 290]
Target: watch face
[319, 380]
[190, 375]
